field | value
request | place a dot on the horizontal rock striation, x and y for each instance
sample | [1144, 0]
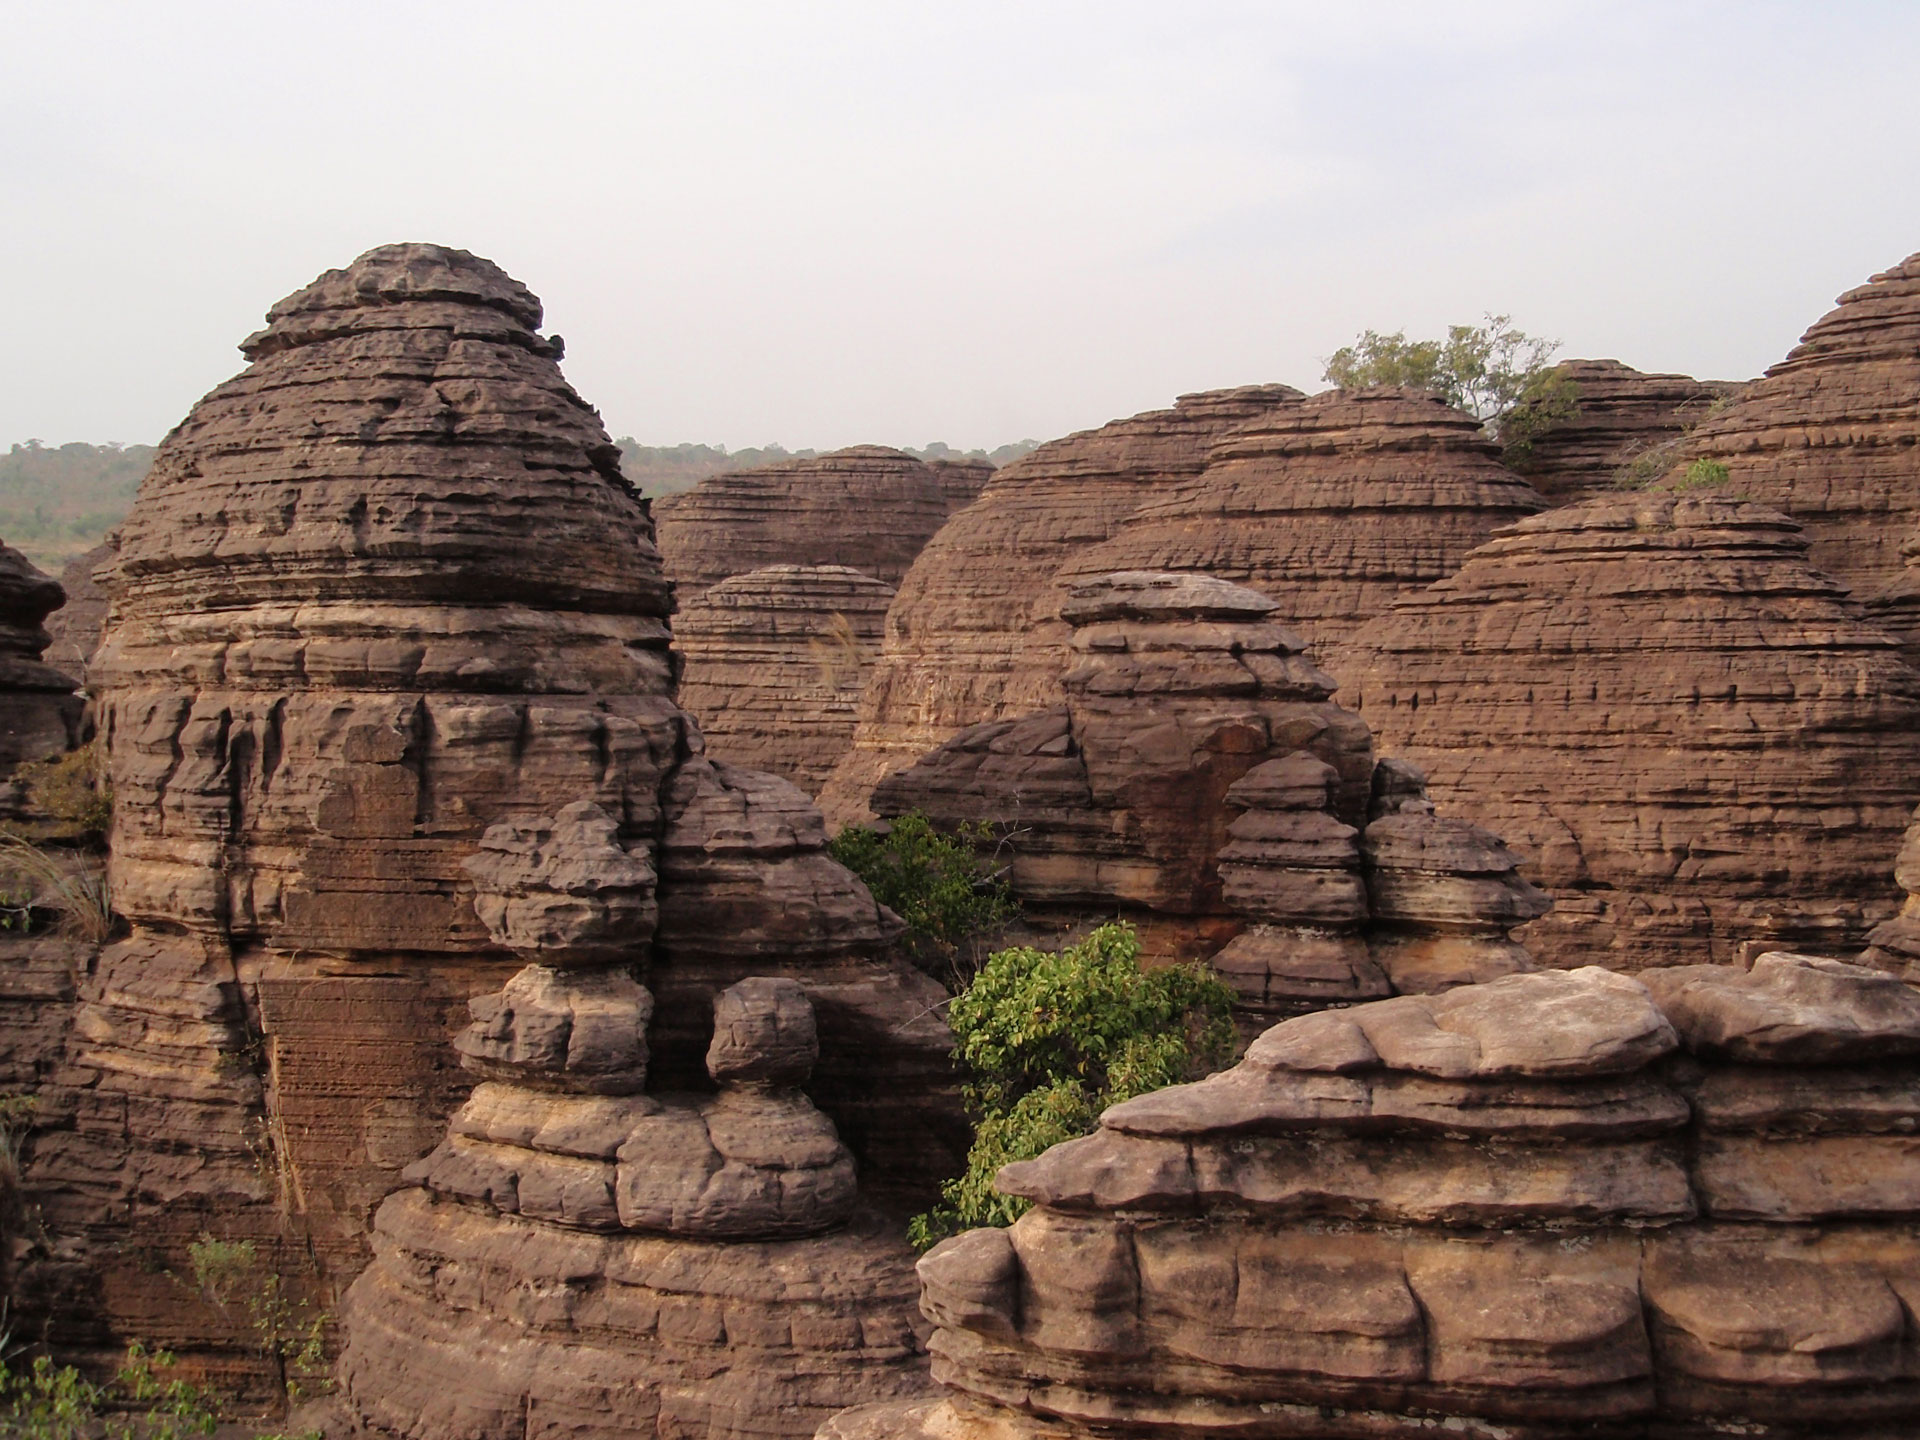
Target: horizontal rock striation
[1829, 436]
[40, 716]
[773, 665]
[702, 1243]
[1689, 731]
[974, 634]
[1623, 418]
[1200, 781]
[76, 627]
[1333, 507]
[387, 693]
[866, 507]
[1553, 1205]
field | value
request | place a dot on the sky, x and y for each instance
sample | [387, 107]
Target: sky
[826, 223]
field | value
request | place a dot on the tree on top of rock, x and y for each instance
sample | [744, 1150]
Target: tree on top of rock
[1494, 372]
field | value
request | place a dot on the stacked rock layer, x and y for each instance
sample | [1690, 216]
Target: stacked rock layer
[702, 1241]
[40, 716]
[382, 592]
[974, 634]
[1199, 780]
[1622, 416]
[1333, 508]
[773, 665]
[1831, 435]
[867, 507]
[1688, 730]
[1555, 1205]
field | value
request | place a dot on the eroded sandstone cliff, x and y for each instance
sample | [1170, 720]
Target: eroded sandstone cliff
[1622, 416]
[1699, 744]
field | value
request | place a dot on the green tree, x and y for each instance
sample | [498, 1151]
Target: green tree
[950, 896]
[1051, 1039]
[1497, 374]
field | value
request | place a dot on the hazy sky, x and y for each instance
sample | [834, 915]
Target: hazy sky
[824, 223]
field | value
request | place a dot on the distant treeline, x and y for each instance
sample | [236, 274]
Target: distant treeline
[59, 501]
[668, 469]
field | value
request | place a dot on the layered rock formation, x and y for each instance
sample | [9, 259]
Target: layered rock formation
[974, 634]
[961, 481]
[867, 507]
[381, 593]
[1334, 508]
[40, 716]
[76, 627]
[1623, 415]
[713, 1283]
[1200, 781]
[1829, 436]
[773, 665]
[1549, 1206]
[1687, 728]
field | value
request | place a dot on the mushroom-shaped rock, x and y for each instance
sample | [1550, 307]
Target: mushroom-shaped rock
[974, 634]
[564, 890]
[1688, 731]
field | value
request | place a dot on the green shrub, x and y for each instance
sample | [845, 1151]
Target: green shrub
[951, 898]
[45, 1401]
[1702, 474]
[1050, 1040]
[289, 1331]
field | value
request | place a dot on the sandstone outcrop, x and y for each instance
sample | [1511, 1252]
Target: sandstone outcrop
[40, 716]
[961, 481]
[1333, 507]
[1553, 1205]
[387, 691]
[773, 665]
[866, 507]
[76, 627]
[974, 634]
[1829, 436]
[713, 1283]
[1623, 415]
[1200, 780]
[1689, 731]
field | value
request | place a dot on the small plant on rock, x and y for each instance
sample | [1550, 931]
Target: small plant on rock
[290, 1332]
[1052, 1039]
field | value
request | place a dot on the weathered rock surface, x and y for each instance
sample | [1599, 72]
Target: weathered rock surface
[388, 699]
[1829, 436]
[1623, 415]
[40, 716]
[76, 627]
[961, 481]
[1333, 508]
[1200, 781]
[774, 663]
[1689, 731]
[701, 1243]
[866, 507]
[1515, 1210]
[1894, 944]
[974, 634]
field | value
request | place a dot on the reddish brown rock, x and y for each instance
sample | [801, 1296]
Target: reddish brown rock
[1510, 1210]
[961, 481]
[774, 664]
[974, 634]
[1333, 508]
[1624, 417]
[1688, 730]
[387, 692]
[1199, 781]
[76, 627]
[690, 1233]
[1894, 944]
[1829, 436]
[40, 716]
[867, 507]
